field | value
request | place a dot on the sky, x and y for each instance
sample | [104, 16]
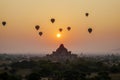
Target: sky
[20, 36]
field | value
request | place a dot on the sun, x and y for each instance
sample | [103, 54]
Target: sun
[58, 35]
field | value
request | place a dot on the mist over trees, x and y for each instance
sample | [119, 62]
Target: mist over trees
[84, 68]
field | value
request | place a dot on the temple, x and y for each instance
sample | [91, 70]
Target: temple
[61, 54]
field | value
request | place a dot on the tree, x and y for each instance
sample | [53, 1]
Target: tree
[4, 76]
[102, 76]
[74, 75]
[33, 76]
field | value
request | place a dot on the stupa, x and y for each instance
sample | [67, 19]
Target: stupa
[61, 54]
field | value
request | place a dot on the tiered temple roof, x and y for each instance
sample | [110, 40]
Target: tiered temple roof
[61, 54]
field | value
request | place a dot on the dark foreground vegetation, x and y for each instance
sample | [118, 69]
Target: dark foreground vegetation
[80, 69]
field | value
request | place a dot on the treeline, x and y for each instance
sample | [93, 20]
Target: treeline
[76, 70]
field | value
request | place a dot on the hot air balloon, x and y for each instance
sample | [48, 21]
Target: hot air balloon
[68, 28]
[87, 14]
[89, 30]
[40, 33]
[37, 27]
[52, 20]
[3, 23]
[60, 29]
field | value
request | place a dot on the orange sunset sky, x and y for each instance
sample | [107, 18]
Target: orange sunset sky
[19, 34]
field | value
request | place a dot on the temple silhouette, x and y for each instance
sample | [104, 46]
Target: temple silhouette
[61, 54]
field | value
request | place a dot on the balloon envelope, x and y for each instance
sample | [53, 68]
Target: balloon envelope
[40, 33]
[89, 30]
[3, 23]
[68, 28]
[52, 20]
[37, 27]
[87, 14]
[60, 29]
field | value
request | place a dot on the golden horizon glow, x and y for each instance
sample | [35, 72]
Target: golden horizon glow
[19, 34]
